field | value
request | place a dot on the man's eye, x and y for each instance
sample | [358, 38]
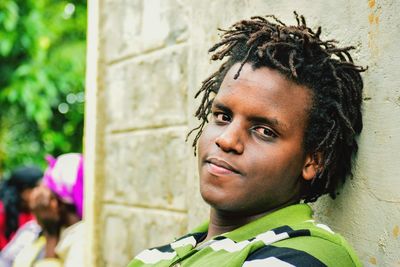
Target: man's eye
[221, 117]
[266, 132]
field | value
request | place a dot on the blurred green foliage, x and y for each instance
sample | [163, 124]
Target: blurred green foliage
[42, 68]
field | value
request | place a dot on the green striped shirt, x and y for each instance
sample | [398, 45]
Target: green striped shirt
[287, 237]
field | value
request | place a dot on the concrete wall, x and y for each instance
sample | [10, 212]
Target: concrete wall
[146, 58]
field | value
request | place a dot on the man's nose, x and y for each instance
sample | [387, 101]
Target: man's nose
[230, 139]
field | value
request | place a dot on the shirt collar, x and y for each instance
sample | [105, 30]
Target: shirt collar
[286, 216]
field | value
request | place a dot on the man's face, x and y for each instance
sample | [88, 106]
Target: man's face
[44, 206]
[251, 156]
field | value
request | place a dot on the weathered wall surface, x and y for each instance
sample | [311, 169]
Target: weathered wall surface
[136, 157]
[146, 59]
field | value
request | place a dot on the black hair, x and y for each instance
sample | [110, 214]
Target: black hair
[10, 193]
[297, 52]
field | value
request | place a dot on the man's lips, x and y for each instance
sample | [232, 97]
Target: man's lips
[220, 167]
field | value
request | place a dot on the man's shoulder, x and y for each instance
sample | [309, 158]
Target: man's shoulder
[310, 242]
[301, 251]
[300, 243]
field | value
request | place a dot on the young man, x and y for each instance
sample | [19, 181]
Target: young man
[278, 127]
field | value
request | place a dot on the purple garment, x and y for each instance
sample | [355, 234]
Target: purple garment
[64, 177]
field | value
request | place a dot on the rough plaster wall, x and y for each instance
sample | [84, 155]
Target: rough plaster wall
[153, 57]
[368, 212]
[138, 107]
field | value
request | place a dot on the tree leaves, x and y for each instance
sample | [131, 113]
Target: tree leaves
[42, 62]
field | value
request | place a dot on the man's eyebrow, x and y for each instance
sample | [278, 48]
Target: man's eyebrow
[220, 106]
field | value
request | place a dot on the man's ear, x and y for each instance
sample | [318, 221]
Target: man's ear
[311, 166]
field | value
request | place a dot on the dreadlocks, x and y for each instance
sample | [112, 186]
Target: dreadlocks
[327, 70]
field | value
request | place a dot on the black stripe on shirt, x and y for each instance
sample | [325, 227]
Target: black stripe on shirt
[297, 233]
[282, 229]
[293, 256]
[166, 248]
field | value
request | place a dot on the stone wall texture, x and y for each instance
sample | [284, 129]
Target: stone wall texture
[146, 60]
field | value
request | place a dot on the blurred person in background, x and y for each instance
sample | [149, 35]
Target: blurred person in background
[15, 192]
[57, 206]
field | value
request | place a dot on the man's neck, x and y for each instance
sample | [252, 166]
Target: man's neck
[223, 222]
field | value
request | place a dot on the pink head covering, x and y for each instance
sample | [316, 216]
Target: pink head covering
[64, 176]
